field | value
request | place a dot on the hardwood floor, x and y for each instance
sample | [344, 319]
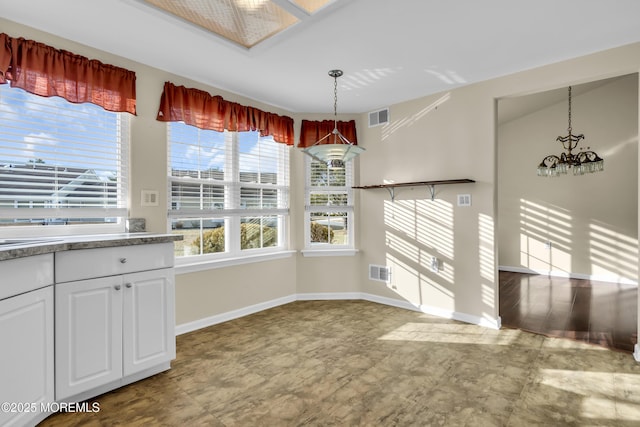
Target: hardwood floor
[358, 363]
[599, 313]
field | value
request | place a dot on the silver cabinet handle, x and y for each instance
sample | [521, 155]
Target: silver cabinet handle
[129, 285]
[117, 287]
[123, 260]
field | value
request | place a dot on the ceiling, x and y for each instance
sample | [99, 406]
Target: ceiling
[390, 51]
[512, 108]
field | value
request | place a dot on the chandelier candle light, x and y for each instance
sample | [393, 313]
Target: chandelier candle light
[585, 161]
[334, 149]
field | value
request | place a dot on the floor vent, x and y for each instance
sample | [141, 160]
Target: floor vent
[379, 273]
[380, 117]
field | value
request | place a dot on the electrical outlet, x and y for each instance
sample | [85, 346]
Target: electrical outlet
[435, 264]
[547, 245]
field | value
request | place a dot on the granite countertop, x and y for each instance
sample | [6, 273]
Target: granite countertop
[18, 248]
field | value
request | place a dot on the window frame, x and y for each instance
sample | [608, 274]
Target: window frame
[48, 227]
[329, 249]
[232, 212]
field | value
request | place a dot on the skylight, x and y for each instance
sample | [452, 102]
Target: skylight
[244, 22]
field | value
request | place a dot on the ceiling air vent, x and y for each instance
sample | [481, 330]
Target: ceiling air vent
[380, 273]
[380, 117]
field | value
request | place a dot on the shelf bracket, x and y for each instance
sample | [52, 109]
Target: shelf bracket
[392, 193]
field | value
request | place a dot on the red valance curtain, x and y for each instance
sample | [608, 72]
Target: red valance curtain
[46, 71]
[312, 131]
[200, 109]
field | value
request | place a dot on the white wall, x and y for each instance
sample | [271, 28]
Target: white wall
[204, 294]
[453, 135]
[590, 220]
[444, 136]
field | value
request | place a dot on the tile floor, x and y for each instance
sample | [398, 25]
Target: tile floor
[357, 363]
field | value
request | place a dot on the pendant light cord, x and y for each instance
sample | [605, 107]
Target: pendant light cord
[335, 102]
[569, 128]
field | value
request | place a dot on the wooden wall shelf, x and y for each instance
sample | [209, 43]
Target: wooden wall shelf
[431, 184]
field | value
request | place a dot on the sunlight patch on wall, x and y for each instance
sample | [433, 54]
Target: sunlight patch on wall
[416, 231]
[424, 224]
[406, 279]
[441, 291]
[403, 247]
[446, 272]
[400, 216]
[545, 237]
[488, 299]
[411, 264]
[486, 249]
[546, 223]
[548, 238]
[486, 255]
[396, 125]
[435, 225]
[612, 254]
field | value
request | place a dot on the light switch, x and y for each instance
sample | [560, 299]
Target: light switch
[149, 198]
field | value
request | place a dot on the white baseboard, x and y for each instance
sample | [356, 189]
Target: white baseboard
[245, 311]
[230, 315]
[435, 311]
[558, 273]
[318, 296]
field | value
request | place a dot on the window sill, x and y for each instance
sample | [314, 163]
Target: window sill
[194, 266]
[329, 252]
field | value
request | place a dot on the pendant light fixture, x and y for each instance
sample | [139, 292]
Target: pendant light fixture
[584, 161]
[334, 149]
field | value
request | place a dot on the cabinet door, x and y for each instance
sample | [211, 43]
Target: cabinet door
[88, 334]
[26, 357]
[149, 319]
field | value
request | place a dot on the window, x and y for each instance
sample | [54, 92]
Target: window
[229, 192]
[329, 206]
[61, 164]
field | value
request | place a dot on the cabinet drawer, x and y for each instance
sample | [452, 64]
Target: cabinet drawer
[22, 275]
[101, 262]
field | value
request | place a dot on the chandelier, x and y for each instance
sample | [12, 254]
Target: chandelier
[334, 149]
[584, 161]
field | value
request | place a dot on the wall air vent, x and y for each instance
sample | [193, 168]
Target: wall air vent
[380, 117]
[379, 273]
[464, 199]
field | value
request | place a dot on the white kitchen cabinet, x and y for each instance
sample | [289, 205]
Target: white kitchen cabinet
[116, 329]
[26, 339]
[149, 320]
[88, 334]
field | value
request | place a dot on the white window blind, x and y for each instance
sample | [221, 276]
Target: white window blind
[329, 205]
[60, 163]
[229, 191]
